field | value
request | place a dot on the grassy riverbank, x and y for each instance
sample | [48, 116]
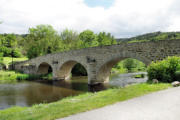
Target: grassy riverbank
[80, 103]
[11, 76]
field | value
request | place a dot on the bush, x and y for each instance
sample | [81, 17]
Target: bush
[16, 53]
[6, 51]
[177, 75]
[165, 70]
[22, 77]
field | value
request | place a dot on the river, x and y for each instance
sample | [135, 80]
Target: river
[29, 93]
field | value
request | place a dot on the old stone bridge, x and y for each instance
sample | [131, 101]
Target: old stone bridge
[98, 61]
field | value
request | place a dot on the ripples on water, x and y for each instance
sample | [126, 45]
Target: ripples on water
[29, 93]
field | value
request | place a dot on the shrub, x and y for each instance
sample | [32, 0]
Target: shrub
[22, 77]
[6, 51]
[16, 53]
[164, 70]
[177, 75]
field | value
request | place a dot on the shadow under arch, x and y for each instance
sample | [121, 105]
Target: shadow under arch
[64, 72]
[44, 68]
[104, 71]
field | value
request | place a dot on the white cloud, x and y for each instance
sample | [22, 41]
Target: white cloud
[124, 18]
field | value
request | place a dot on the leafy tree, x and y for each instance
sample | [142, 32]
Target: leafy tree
[70, 39]
[88, 39]
[9, 42]
[105, 39]
[41, 40]
[129, 64]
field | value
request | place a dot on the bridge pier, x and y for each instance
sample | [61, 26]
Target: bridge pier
[92, 74]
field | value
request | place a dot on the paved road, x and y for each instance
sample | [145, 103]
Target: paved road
[162, 105]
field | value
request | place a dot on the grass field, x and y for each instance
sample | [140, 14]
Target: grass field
[8, 60]
[80, 103]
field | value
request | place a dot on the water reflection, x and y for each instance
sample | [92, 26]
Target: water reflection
[29, 93]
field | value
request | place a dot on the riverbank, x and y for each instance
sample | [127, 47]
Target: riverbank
[7, 77]
[11, 77]
[80, 103]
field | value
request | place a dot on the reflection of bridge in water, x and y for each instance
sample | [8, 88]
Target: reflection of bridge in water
[98, 61]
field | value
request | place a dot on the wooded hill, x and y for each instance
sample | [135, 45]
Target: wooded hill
[152, 37]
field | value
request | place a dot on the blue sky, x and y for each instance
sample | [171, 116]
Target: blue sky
[102, 3]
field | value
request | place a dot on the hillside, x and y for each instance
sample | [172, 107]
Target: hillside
[152, 37]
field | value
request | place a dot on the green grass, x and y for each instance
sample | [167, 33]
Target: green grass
[80, 103]
[8, 60]
[13, 77]
[9, 76]
[139, 76]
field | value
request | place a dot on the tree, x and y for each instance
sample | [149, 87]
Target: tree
[105, 39]
[88, 39]
[129, 64]
[70, 39]
[10, 41]
[42, 39]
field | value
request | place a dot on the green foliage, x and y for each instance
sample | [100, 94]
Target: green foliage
[1, 58]
[13, 77]
[155, 36]
[80, 103]
[9, 43]
[8, 60]
[16, 53]
[6, 51]
[79, 70]
[177, 75]
[139, 76]
[88, 38]
[8, 76]
[105, 39]
[129, 65]
[164, 70]
[70, 40]
[42, 39]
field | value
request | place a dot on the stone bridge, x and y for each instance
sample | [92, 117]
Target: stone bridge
[98, 61]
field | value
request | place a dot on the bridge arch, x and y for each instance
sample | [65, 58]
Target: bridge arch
[44, 68]
[64, 71]
[104, 69]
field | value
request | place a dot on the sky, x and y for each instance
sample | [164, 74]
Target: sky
[122, 18]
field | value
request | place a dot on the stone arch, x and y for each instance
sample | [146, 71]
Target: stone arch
[65, 69]
[104, 69]
[44, 68]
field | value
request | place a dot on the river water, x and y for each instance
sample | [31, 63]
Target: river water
[29, 93]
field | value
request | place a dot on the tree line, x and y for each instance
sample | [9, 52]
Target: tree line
[44, 39]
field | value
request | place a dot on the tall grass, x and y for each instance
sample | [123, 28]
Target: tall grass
[13, 77]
